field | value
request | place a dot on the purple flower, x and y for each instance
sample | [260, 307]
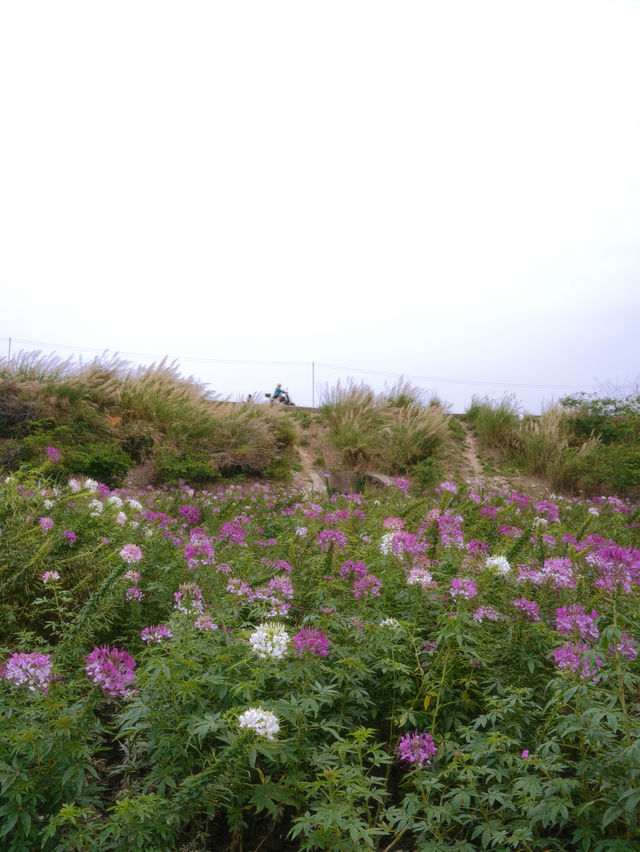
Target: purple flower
[70, 536]
[112, 669]
[450, 527]
[573, 619]
[328, 537]
[525, 754]
[579, 658]
[402, 484]
[367, 585]
[203, 622]
[191, 514]
[31, 670]
[529, 608]
[234, 533]
[50, 575]
[483, 612]
[134, 594]
[312, 641]
[155, 633]
[46, 524]
[417, 748]
[463, 587]
[627, 647]
[54, 454]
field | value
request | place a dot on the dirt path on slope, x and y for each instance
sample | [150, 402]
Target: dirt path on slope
[474, 473]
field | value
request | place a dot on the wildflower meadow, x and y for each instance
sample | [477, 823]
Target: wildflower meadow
[253, 668]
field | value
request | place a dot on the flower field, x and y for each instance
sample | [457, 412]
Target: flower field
[247, 668]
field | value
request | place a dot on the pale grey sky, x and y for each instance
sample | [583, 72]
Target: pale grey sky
[447, 190]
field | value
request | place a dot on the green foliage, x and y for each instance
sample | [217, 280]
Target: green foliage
[184, 465]
[529, 756]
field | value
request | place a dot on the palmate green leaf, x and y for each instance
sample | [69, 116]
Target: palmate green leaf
[610, 815]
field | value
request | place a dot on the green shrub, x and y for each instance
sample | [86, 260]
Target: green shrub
[190, 466]
[106, 463]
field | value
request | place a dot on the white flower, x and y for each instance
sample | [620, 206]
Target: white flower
[301, 531]
[386, 543]
[135, 505]
[270, 640]
[115, 500]
[74, 485]
[261, 721]
[390, 622]
[121, 518]
[540, 522]
[420, 577]
[91, 485]
[500, 563]
[96, 507]
[48, 504]
[593, 511]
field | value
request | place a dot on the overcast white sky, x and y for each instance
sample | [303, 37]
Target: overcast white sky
[447, 190]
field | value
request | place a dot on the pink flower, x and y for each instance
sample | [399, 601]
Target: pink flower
[46, 524]
[155, 633]
[112, 669]
[311, 640]
[529, 608]
[31, 670]
[131, 553]
[417, 748]
[463, 587]
[50, 575]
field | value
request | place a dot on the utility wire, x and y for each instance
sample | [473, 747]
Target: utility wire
[342, 368]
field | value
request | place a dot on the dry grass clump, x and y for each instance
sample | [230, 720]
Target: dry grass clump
[142, 413]
[393, 430]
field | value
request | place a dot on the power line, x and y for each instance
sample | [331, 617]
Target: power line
[309, 364]
[449, 381]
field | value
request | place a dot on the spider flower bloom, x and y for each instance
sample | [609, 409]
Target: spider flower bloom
[573, 619]
[203, 622]
[269, 640]
[578, 657]
[463, 587]
[499, 563]
[191, 514]
[627, 647]
[328, 537]
[420, 577]
[416, 748]
[54, 454]
[261, 721]
[188, 599]
[312, 641]
[112, 669]
[49, 576]
[483, 612]
[131, 554]
[155, 633]
[529, 608]
[133, 593]
[70, 536]
[46, 524]
[30, 670]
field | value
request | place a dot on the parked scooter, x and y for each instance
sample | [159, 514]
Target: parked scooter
[282, 397]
